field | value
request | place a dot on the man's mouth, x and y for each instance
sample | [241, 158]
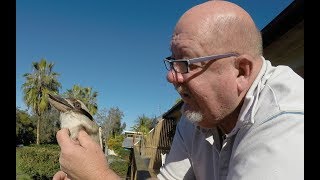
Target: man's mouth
[185, 95]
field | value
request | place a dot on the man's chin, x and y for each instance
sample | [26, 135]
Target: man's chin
[191, 114]
[194, 117]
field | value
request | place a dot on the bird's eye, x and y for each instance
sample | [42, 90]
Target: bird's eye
[77, 105]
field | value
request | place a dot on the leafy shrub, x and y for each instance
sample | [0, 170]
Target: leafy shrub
[25, 128]
[116, 145]
[123, 153]
[115, 142]
[42, 161]
[120, 163]
[39, 161]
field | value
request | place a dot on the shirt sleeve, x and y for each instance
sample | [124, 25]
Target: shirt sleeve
[177, 164]
[273, 150]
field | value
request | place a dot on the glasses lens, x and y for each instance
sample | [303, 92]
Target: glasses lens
[180, 66]
[168, 65]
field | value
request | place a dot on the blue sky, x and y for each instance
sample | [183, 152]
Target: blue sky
[115, 47]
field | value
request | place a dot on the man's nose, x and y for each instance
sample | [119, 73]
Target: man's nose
[174, 77]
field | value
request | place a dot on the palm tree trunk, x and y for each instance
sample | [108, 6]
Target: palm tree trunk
[38, 130]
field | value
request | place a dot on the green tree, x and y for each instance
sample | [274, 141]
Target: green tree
[112, 125]
[38, 85]
[86, 95]
[177, 101]
[25, 128]
[143, 124]
[115, 116]
[50, 126]
[103, 122]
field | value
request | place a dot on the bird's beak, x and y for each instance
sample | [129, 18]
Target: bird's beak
[59, 103]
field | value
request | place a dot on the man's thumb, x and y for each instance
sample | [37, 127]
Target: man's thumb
[84, 139]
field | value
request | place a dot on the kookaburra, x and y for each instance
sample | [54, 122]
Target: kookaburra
[75, 116]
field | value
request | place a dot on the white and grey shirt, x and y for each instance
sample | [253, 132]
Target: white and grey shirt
[267, 142]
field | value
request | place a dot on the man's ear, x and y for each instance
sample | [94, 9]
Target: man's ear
[244, 66]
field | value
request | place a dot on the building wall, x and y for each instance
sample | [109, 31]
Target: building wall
[288, 49]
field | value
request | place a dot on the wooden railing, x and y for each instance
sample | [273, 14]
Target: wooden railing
[146, 154]
[138, 169]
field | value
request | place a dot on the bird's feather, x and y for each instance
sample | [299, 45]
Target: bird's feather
[75, 116]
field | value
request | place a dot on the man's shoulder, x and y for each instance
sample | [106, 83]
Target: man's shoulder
[282, 92]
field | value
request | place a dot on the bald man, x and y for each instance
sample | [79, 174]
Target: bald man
[242, 118]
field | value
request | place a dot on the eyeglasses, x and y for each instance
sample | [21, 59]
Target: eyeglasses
[182, 65]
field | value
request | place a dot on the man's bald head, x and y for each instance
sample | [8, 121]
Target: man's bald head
[221, 27]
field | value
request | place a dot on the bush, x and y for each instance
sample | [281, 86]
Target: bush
[119, 163]
[115, 143]
[39, 161]
[123, 153]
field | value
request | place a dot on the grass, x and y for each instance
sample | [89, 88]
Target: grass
[118, 165]
[19, 174]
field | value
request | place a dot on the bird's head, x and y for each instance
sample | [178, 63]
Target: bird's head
[69, 104]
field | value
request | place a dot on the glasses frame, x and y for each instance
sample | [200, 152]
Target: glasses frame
[195, 60]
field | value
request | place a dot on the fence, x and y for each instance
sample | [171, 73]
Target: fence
[146, 157]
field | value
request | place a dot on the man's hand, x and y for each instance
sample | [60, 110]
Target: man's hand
[60, 175]
[83, 159]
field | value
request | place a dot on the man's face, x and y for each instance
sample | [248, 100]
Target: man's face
[209, 90]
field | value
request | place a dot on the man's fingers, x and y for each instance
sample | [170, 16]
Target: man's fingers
[60, 175]
[63, 137]
[84, 139]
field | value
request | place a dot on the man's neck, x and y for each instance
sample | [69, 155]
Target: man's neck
[229, 122]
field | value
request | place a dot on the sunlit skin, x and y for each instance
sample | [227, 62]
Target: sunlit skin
[213, 89]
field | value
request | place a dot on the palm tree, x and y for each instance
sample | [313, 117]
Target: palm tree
[143, 124]
[86, 95]
[38, 85]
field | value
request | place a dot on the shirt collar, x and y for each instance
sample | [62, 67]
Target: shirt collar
[250, 100]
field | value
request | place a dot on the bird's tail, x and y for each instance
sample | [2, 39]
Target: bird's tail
[100, 137]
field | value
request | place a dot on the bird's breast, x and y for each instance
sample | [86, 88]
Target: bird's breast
[70, 119]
